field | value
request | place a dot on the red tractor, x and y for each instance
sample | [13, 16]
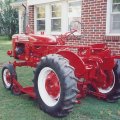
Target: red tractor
[62, 77]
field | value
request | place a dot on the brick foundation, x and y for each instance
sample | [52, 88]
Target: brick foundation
[113, 43]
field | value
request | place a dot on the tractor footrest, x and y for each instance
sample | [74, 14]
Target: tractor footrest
[30, 91]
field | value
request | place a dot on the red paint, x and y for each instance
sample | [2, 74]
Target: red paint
[8, 77]
[52, 85]
[92, 64]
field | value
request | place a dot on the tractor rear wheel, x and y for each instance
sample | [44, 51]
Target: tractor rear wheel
[8, 72]
[115, 93]
[55, 85]
[110, 78]
[117, 75]
[110, 86]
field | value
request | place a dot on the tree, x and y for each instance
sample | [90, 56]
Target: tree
[8, 18]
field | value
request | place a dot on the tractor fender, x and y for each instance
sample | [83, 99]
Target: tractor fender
[75, 61]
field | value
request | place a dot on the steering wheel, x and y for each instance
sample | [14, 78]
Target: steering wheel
[75, 31]
[73, 34]
[70, 35]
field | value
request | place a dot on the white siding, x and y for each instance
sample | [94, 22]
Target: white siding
[21, 9]
[35, 2]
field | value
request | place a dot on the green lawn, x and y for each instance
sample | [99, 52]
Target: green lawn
[24, 108]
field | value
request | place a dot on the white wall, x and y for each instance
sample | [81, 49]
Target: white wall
[21, 9]
[35, 2]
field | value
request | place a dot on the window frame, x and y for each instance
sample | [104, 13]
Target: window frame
[108, 19]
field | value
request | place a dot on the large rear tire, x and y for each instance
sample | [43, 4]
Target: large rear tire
[114, 92]
[110, 75]
[55, 85]
[117, 75]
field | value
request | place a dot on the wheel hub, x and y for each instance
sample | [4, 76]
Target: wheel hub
[8, 77]
[52, 85]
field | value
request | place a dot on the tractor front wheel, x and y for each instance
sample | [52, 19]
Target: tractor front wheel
[8, 73]
[55, 85]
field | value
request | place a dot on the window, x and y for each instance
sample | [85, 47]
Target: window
[41, 18]
[74, 15]
[115, 17]
[56, 17]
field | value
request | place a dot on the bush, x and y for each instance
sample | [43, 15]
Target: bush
[8, 19]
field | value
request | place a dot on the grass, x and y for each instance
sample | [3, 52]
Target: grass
[24, 108]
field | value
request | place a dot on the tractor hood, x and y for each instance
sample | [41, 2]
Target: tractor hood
[40, 39]
[43, 39]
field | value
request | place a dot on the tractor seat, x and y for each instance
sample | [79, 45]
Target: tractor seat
[43, 39]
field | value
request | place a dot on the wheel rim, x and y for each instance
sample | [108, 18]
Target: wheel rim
[7, 78]
[108, 89]
[49, 86]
